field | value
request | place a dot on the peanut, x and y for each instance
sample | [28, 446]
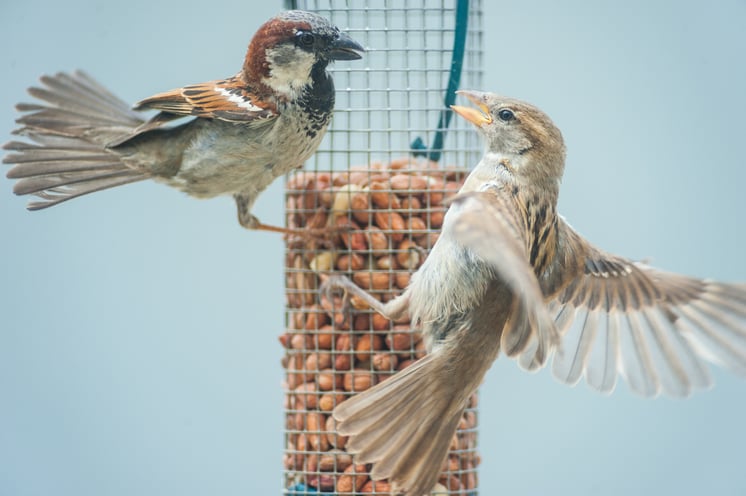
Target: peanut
[385, 362]
[334, 460]
[328, 401]
[316, 431]
[329, 380]
[306, 396]
[367, 345]
[382, 197]
[353, 479]
[358, 380]
[390, 222]
[372, 280]
[360, 207]
[411, 203]
[406, 182]
[349, 262]
[318, 361]
[376, 487]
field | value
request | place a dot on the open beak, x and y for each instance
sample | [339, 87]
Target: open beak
[345, 48]
[478, 116]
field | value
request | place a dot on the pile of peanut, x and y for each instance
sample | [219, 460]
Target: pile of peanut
[382, 222]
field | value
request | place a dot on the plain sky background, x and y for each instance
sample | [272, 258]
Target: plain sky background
[138, 341]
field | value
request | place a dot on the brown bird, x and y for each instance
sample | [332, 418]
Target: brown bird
[245, 130]
[508, 273]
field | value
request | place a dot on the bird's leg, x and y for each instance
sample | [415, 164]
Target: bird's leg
[393, 310]
[307, 233]
[249, 221]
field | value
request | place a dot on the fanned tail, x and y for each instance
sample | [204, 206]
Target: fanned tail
[404, 425]
[69, 132]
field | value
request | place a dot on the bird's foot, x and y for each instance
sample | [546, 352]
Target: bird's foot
[353, 296]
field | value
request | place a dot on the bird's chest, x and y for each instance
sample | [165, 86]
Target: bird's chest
[300, 133]
[228, 158]
[448, 286]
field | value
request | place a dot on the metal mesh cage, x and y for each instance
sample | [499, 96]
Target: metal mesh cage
[390, 157]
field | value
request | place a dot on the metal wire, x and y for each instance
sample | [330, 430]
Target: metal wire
[365, 178]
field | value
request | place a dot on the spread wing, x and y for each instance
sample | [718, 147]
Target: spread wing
[487, 224]
[225, 99]
[653, 328]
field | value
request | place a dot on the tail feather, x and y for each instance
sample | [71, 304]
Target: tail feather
[79, 106]
[58, 195]
[420, 476]
[55, 158]
[91, 90]
[29, 107]
[404, 425]
[366, 442]
[68, 122]
[57, 183]
[80, 91]
[362, 412]
[54, 168]
[43, 139]
[69, 130]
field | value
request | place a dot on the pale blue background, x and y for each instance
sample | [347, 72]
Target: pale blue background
[138, 351]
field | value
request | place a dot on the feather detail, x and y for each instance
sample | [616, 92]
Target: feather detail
[70, 133]
[404, 425]
[653, 328]
[76, 106]
[226, 99]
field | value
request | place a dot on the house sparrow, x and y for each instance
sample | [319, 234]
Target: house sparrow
[508, 273]
[248, 129]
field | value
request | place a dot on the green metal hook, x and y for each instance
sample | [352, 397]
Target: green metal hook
[419, 149]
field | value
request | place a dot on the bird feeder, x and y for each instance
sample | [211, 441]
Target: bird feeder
[391, 156]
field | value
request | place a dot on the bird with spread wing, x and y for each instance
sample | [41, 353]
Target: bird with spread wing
[509, 274]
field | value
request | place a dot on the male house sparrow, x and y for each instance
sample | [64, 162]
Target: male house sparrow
[248, 129]
[509, 273]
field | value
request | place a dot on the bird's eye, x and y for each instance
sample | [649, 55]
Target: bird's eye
[506, 115]
[307, 39]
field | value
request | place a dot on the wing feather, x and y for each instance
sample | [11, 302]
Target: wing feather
[655, 329]
[226, 99]
[601, 367]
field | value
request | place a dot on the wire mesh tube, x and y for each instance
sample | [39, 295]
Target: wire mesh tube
[382, 173]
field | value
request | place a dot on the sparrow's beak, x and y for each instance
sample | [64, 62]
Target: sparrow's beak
[477, 116]
[345, 48]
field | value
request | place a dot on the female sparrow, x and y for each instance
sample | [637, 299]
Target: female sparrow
[508, 273]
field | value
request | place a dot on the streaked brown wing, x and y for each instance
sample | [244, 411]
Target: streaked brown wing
[225, 99]
[653, 328]
[487, 223]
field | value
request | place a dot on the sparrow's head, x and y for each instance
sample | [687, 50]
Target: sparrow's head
[517, 133]
[291, 49]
